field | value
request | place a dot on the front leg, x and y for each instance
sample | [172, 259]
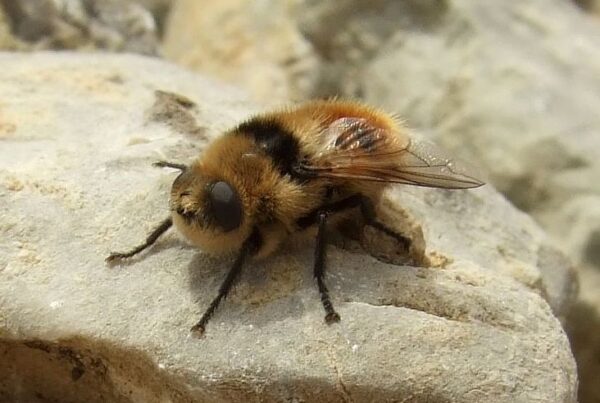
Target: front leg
[250, 246]
[319, 216]
[154, 235]
[158, 231]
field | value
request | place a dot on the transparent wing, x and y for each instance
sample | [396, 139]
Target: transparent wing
[352, 148]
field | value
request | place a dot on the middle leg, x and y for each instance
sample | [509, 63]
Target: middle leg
[320, 217]
[331, 316]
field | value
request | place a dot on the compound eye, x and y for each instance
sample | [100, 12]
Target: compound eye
[225, 206]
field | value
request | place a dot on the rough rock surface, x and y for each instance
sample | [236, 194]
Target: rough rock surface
[77, 136]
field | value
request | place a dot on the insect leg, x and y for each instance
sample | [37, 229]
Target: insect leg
[340, 205]
[249, 247]
[319, 216]
[158, 231]
[368, 212]
[165, 164]
[331, 316]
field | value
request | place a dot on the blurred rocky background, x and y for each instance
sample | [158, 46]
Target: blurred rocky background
[111, 25]
[511, 86]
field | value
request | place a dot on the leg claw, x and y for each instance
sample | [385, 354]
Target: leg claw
[332, 317]
[197, 331]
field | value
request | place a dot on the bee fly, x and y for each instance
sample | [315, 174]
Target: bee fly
[280, 173]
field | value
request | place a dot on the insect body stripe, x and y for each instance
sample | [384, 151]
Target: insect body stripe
[274, 140]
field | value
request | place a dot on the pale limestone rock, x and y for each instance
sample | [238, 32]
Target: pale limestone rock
[77, 136]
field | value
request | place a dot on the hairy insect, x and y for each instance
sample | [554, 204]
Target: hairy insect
[280, 173]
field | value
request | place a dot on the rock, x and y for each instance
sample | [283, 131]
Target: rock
[224, 38]
[83, 24]
[472, 322]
